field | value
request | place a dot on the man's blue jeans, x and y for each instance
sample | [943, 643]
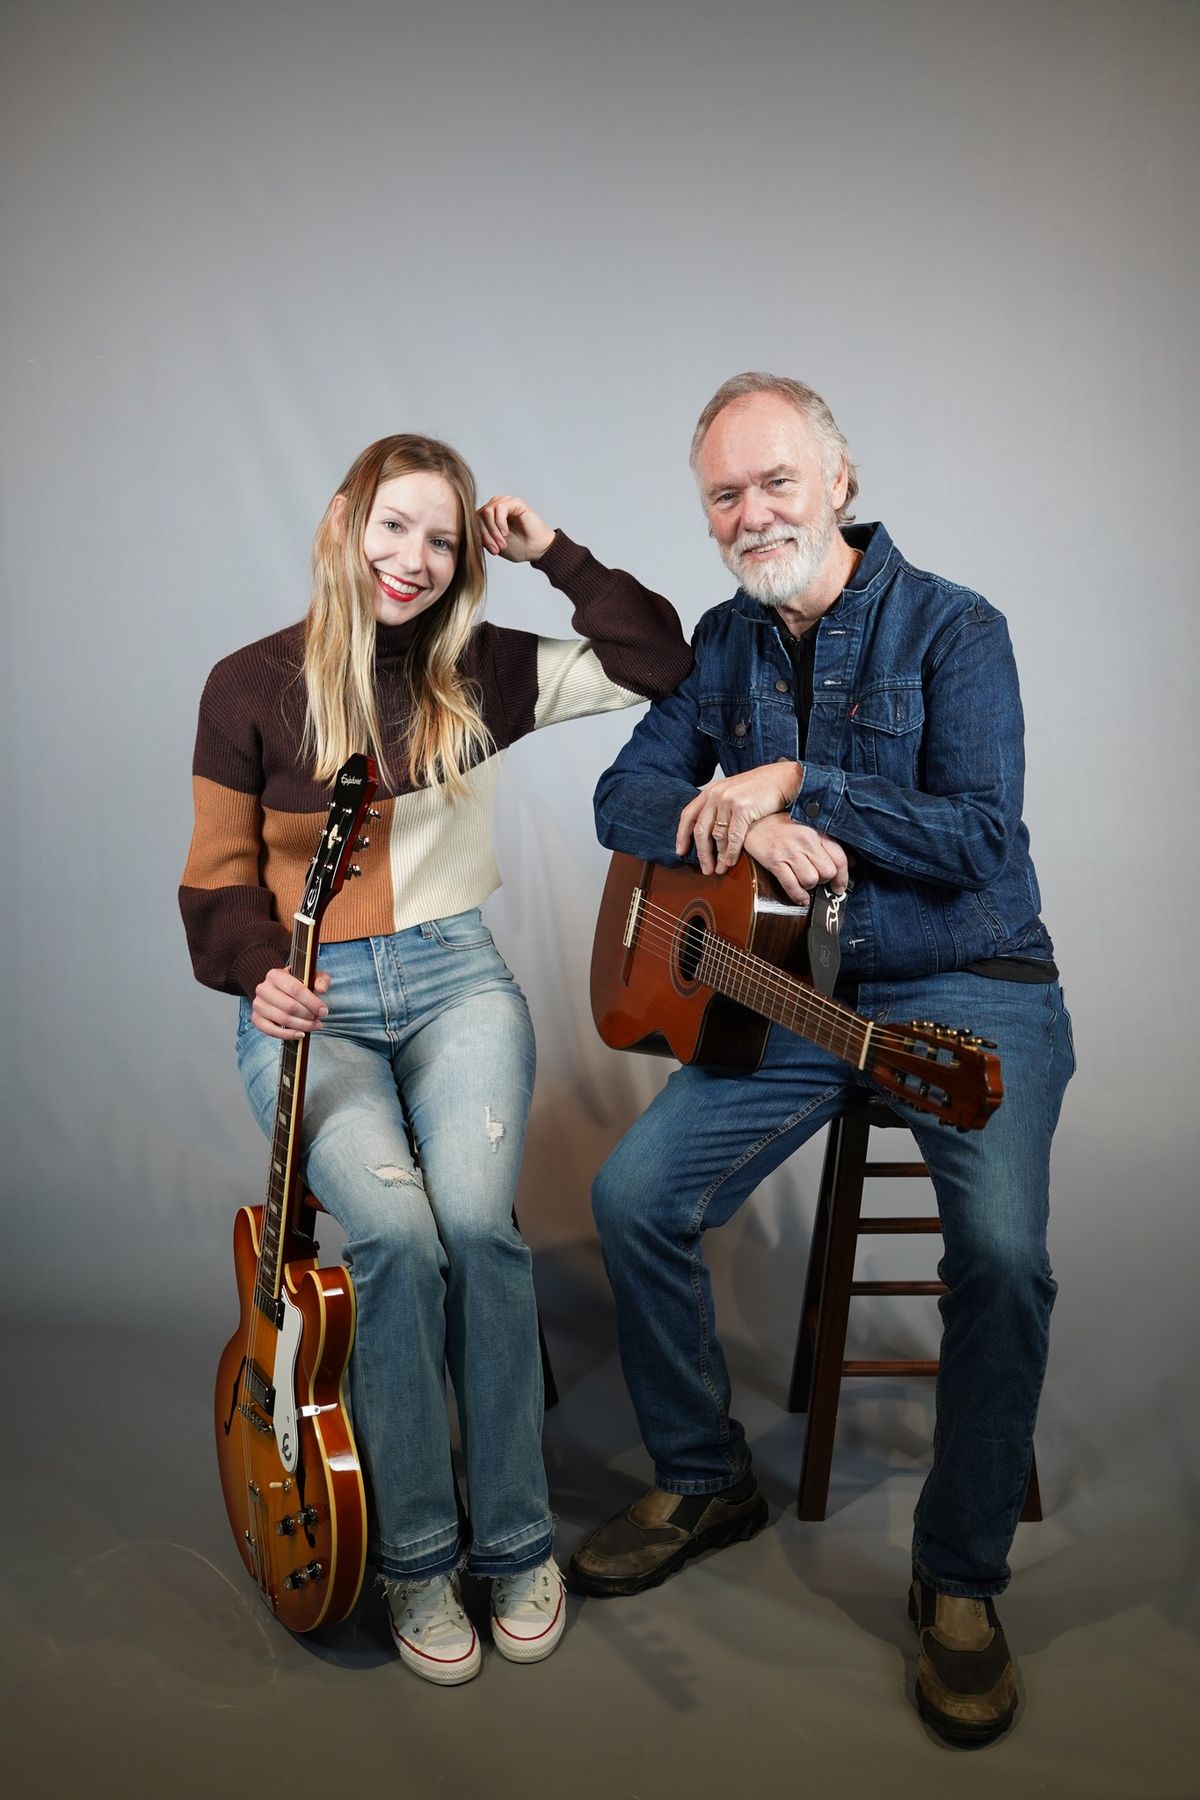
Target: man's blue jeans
[418, 1092]
[712, 1135]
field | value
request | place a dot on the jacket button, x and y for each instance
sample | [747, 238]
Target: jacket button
[740, 728]
[782, 687]
[813, 808]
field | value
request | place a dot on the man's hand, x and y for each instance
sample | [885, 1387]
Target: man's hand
[513, 530]
[284, 1008]
[717, 820]
[798, 857]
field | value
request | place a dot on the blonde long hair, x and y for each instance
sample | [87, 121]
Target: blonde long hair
[445, 729]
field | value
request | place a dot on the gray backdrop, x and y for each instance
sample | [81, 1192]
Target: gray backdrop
[242, 241]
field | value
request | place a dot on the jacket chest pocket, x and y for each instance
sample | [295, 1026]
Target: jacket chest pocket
[886, 725]
[730, 723]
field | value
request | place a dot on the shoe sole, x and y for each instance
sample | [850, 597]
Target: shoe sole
[441, 1674]
[719, 1538]
[527, 1650]
[955, 1731]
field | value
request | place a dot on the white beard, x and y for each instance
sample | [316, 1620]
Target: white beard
[785, 577]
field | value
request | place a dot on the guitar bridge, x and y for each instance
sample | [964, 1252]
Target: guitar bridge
[631, 922]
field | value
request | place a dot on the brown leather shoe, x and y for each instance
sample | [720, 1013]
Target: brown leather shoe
[641, 1546]
[966, 1682]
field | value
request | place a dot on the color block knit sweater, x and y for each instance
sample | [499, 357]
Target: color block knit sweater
[259, 815]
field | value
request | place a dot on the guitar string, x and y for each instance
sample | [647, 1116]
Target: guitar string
[943, 1098]
[827, 1024]
[272, 1246]
[731, 958]
[301, 961]
[771, 984]
[805, 1015]
[272, 1230]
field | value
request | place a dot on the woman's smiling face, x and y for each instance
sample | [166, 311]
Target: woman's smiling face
[411, 542]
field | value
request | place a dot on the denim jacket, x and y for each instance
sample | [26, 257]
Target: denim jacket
[914, 760]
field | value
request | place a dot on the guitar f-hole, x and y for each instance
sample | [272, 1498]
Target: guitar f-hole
[233, 1399]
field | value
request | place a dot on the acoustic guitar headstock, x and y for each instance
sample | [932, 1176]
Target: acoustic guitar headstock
[937, 1069]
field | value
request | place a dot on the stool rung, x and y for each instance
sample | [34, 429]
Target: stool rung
[901, 1225]
[897, 1287]
[891, 1366]
[891, 1168]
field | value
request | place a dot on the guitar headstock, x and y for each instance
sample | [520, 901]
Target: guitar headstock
[936, 1069]
[353, 791]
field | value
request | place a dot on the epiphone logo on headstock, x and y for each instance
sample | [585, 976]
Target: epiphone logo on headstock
[350, 780]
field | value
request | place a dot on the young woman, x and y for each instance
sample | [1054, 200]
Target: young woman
[422, 1060]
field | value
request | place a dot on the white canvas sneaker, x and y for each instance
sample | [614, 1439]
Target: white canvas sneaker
[528, 1612]
[433, 1634]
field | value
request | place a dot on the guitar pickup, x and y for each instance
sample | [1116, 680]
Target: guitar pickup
[262, 1392]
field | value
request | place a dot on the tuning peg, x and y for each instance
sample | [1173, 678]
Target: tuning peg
[373, 812]
[361, 843]
[353, 871]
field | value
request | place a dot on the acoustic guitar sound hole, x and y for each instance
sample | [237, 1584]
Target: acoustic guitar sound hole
[691, 948]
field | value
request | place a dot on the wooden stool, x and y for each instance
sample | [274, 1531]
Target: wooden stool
[548, 1384]
[820, 1363]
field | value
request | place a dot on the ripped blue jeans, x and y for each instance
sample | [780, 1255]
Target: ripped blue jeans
[418, 1091]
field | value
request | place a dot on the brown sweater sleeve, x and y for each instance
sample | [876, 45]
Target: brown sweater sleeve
[635, 632]
[233, 931]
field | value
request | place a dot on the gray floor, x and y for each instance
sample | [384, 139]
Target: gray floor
[139, 1661]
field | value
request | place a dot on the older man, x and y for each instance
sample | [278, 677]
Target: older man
[860, 711]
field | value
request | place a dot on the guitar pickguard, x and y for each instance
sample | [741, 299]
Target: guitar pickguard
[287, 1350]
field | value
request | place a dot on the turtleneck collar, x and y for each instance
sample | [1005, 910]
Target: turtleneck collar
[392, 642]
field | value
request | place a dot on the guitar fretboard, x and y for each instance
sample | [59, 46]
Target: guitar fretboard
[780, 997]
[283, 1175]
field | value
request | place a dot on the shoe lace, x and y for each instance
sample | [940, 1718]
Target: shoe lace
[433, 1608]
[530, 1587]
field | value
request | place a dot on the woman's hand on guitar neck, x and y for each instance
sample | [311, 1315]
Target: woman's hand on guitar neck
[717, 820]
[799, 858]
[284, 1008]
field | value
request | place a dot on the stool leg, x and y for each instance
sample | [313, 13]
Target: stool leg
[850, 1159]
[549, 1386]
[1031, 1512]
[800, 1387]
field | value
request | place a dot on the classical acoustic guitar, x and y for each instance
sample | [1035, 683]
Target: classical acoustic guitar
[700, 966]
[289, 1467]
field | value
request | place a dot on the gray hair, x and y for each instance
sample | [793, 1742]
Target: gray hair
[806, 400]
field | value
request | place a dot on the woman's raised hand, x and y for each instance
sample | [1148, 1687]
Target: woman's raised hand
[284, 1008]
[510, 528]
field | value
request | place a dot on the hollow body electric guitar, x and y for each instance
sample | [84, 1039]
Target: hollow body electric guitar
[700, 966]
[289, 1467]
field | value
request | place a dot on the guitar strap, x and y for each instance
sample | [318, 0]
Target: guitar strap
[824, 931]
